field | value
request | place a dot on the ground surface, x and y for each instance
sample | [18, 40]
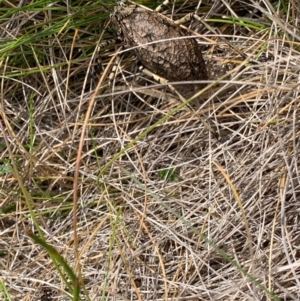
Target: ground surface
[164, 209]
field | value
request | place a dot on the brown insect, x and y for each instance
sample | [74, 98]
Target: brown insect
[161, 45]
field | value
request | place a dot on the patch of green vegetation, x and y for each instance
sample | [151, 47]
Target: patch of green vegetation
[4, 291]
[11, 207]
[167, 174]
[5, 168]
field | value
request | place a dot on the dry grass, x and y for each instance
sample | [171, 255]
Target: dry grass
[155, 210]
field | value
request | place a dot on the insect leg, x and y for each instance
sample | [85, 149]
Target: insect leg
[105, 44]
[114, 69]
[161, 7]
[101, 46]
[187, 18]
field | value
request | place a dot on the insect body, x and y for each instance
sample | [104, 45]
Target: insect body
[172, 56]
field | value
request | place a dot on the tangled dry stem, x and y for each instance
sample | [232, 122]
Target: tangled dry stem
[140, 234]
